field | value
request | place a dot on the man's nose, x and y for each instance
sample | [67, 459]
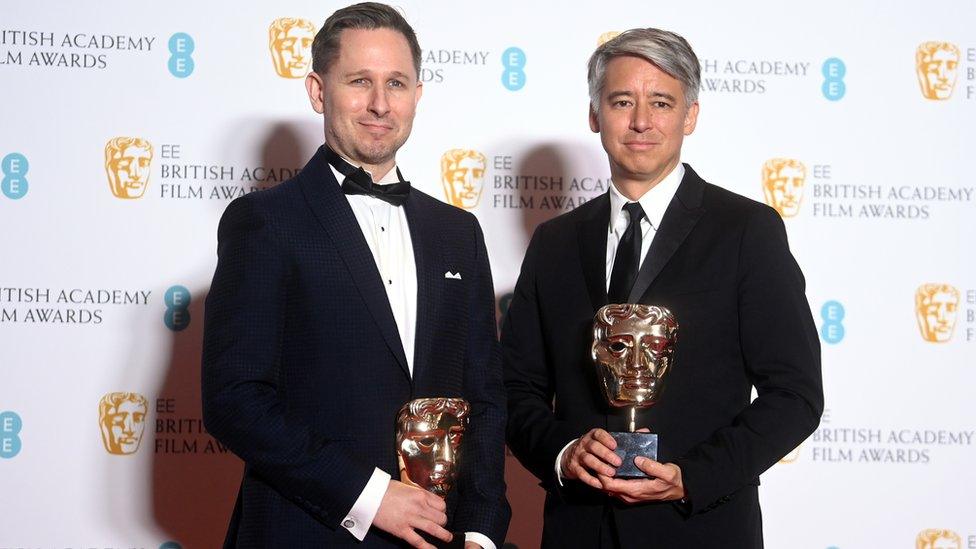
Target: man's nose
[378, 103]
[641, 118]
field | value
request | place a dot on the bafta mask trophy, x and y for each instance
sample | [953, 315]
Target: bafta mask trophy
[633, 348]
[428, 441]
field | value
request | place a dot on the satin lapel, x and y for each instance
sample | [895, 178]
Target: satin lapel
[593, 251]
[332, 210]
[680, 218]
[426, 249]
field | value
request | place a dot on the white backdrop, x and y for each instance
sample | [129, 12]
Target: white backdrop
[101, 294]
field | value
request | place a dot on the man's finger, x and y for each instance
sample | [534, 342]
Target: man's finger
[433, 529]
[605, 438]
[654, 468]
[586, 478]
[597, 465]
[414, 539]
[599, 449]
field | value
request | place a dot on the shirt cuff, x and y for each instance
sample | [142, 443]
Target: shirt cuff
[361, 516]
[480, 539]
[559, 459]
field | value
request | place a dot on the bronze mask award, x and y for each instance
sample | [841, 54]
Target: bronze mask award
[428, 442]
[633, 348]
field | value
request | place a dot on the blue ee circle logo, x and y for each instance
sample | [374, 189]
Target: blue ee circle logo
[14, 167]
[833, 71]
[180, 62]
[832, 329]
[177, 300]
[10, 426]
[513, 59]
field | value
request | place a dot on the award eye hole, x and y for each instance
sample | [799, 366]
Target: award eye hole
[427, 442]
[618, 347]
[455, 439]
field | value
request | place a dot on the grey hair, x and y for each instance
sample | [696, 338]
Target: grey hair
[666, 50]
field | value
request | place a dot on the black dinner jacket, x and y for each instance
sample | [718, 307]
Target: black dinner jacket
[722, 264]
[304, 371]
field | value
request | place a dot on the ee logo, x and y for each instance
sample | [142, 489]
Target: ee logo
[513, 59]
[832, 329]
[14, 167]
[180, 62]
[177, 300]
[10, 426]
[833, 71]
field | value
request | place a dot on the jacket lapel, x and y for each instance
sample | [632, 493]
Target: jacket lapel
[426, 244]
[332, 210]
[680, 218]
[593, 251]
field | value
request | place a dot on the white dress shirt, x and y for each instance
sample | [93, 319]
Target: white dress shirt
[388, 237]
[654, 202]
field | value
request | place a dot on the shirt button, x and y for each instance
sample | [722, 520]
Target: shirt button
[389, 282]
[383, 229]
[348, 523]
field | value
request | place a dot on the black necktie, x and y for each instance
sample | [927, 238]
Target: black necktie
[357, 181]
[627, 261]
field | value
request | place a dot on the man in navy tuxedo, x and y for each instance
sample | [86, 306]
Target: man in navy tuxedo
[339, 295]
[721, 263]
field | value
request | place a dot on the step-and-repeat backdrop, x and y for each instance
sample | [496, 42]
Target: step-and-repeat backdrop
[126, 129]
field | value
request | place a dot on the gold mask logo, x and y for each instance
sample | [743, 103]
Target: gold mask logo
[122, 420]
[937, 64]
[783, 181]
[936, 306]
[934, 538]
[606, 37]
[290, 42]
[127, 161]
[463, 175]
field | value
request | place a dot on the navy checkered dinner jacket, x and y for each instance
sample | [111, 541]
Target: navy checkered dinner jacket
[304, 372]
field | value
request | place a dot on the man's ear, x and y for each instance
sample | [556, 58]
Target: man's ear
[594, 121]
[316, 90]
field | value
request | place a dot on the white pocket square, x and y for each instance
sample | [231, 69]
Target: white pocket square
[455, 276]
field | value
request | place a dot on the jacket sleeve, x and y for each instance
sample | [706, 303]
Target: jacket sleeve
[781, 355]
[534, 434]
[243, 404]
[483, 506]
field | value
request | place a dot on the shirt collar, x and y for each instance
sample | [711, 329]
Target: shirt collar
[654, 202]
[390, 177]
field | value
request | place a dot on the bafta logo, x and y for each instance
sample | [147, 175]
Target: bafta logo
[606, 37]
[463, 174]
[935, 309]
[934, 538]
[783, 180]
[936, 64]
[127, 161]
[122, 419]
[290, 42]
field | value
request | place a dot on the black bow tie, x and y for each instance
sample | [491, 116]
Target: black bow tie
[358, 181]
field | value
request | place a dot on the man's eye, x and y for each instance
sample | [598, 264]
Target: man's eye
[618, 347]
[396, 84]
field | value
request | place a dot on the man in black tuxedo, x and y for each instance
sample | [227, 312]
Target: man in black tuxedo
[340, 295]
[720, 262]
